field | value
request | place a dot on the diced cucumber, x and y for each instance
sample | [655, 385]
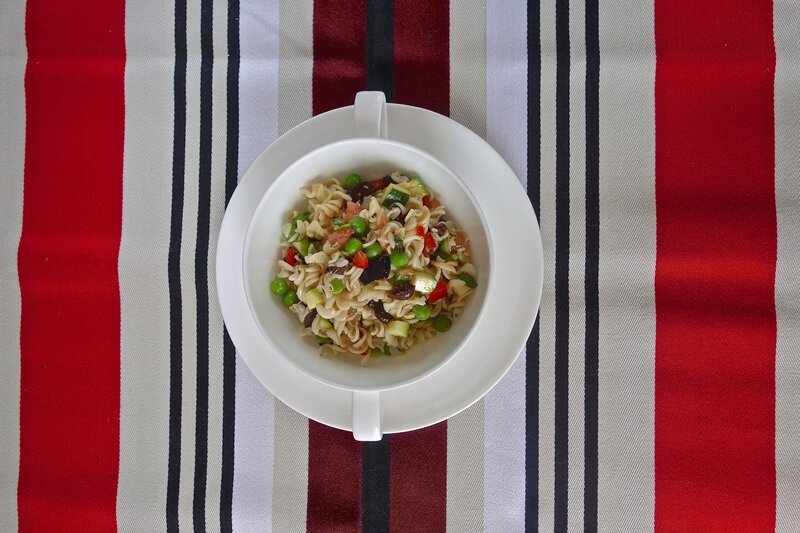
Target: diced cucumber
[394, 195]
[324, 324]
[323, 340]
[301, 245]
[398, 328]
[469, 280]
[460, 289]
[418, 187]
[313, 298]
[424, 282]
[305, 217]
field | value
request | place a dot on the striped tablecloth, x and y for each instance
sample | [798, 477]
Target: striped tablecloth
[660, 145]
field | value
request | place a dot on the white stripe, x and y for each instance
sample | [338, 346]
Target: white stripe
[627, 267]
[12, 155]
[188, 244]
[290, 462]
[506, 131]
[467, 106]
[577, 260]
[787, 279]
[219, 132]
[258, 119]
[547, 308]
[144, 292]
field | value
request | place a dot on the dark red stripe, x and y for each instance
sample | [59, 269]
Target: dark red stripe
[339, 71]
[334, 480]
[418, 486]
[72, 219]
[334, 457]
[715, 265]
[422, 54]
[418, 473]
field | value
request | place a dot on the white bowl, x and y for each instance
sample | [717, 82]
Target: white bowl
[371, 158]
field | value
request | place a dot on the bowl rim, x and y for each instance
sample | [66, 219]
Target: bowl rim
[462, 342]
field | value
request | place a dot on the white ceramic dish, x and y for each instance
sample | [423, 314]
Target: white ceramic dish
[509, 313]
[371, 158]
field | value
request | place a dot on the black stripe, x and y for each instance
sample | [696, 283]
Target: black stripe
[174, 270]
[201, 266]
[532, 346]
[380, 47]
[375, 486]
[592, 265]
[379, 61]
[228, 350]
[561, 441]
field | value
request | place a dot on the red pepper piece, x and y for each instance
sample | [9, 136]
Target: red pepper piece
[439, 292]
[430, 242]
[291, 257]
[360, 259]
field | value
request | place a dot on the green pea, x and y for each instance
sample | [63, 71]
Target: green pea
[352, 246]
[351, 181]
[359, 226]
[337, 286]
[399, 259]
[422, 312]
[441, 323]
[290, 298]
[373, 250]
[279, 287]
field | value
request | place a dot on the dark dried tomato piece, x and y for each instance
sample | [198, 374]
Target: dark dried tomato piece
[378, 269]
[361, 191]
[335, 270]
[404, 291]
[380, 312]
[309, 319]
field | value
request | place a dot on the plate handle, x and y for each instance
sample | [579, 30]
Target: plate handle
[369, 115]
[367, 423]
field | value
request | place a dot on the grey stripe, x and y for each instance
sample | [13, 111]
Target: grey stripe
[547, 308]
[144, 294]
[787, 280]
[296, 63]
[12, 156]
[188, 295]
[290, 462]
[577, 260]
[627, 267]
[468, 64]
[215, 324]
[290, 484]
[467, 106]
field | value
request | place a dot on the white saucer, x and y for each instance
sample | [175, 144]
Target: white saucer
[511, 305]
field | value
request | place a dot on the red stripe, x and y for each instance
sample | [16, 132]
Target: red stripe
[72, 221]
[715, 266]
[418, 486]
[422, 54]
[334, 457]
[334, 480]
[339, 39]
